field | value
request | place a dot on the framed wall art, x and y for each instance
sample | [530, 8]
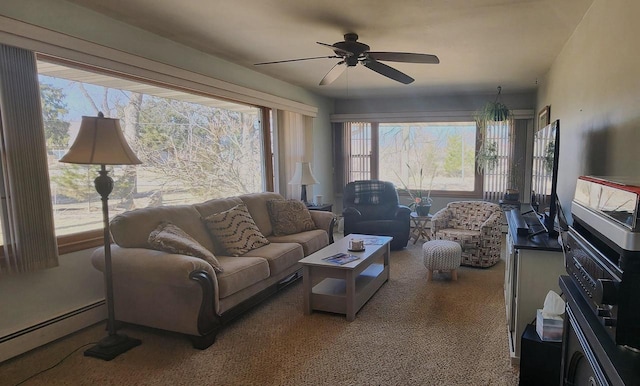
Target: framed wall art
[544, 117]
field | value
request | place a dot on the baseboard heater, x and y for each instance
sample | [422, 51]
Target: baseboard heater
[47, 331]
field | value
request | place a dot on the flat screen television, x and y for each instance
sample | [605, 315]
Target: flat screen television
[544, 176]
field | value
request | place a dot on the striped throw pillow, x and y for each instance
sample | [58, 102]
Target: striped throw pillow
[235, 230]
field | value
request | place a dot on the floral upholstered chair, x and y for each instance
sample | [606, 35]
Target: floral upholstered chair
[476, 226]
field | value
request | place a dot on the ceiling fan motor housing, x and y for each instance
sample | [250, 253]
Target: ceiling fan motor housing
[351, 45]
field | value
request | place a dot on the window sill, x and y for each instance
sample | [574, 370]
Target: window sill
[80, 241]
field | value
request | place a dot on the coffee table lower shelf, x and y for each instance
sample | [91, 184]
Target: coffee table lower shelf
[331, 294]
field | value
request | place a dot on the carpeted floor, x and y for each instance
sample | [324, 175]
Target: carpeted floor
[412, 332]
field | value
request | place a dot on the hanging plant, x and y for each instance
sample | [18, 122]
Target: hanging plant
[492, 113]
[495, 111]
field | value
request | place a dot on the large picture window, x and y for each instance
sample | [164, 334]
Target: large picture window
[428, 156]
[424, 157]
[193, 147]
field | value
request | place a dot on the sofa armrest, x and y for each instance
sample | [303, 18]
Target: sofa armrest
[492, 224]
[325, 221]
[403, 213]
[440, 220]
[151, 266]
[181, 284]
[351, 212]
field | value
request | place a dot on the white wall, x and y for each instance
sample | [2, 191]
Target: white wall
[37, 299]
[450, 102]
[28, 299]
[593, 87]
[34, 298]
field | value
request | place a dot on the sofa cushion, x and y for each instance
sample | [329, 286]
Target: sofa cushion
[257, 205]
[131, 229]
[311, 241]
[289, 217]
[464, 237]
[240, 273]
[235, 230]
[170, 238]
[280, 256]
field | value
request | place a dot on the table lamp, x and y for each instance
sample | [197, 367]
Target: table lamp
[303, 177]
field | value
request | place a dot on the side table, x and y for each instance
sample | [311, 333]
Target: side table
[421, 226]
[323, 207]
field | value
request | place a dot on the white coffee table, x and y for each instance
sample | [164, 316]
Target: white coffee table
[344, 289]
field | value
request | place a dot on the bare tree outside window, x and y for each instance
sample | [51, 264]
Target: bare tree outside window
[190, 151]
[444, 152]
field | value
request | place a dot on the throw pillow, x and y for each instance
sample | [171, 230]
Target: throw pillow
[289, 216]
[235, 230]
[170, 238]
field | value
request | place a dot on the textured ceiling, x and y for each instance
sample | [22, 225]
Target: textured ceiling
[481, 43]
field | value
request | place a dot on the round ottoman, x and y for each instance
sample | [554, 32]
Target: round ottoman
[441, 255]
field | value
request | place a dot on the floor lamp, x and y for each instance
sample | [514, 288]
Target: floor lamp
[100, 142]
[303, 176]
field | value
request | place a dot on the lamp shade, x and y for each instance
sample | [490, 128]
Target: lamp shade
[303, 175]
[100, 141]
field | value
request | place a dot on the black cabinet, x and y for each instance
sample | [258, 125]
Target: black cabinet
[539, 360]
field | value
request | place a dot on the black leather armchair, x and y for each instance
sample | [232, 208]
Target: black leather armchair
[371, 207]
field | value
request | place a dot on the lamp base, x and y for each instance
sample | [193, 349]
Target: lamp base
[112, 346]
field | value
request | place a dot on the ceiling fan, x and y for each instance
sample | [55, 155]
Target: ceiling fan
[351, 52]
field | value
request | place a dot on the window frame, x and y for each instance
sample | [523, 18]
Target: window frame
[374, 166]
[94, 238]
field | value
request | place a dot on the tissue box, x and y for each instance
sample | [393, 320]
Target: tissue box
[549, 327]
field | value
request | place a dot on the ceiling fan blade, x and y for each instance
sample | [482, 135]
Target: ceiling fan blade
[387, 71]
[296, 60]
[334, 73]
[336, 49]
[406, 57]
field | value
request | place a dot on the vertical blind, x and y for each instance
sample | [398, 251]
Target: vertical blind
[360, 138]
[27, 217]
[498, 179]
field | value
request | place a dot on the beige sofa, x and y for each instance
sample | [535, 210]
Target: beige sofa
[183, 293]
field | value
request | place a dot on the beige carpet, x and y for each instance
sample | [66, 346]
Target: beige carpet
[412, 332]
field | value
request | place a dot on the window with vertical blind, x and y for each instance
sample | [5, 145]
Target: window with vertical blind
[502, 173]
[431, 157]
[361, 144]
[193, 147]
[424, 157]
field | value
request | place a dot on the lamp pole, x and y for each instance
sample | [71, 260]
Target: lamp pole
[104, 187]
[100, 142]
